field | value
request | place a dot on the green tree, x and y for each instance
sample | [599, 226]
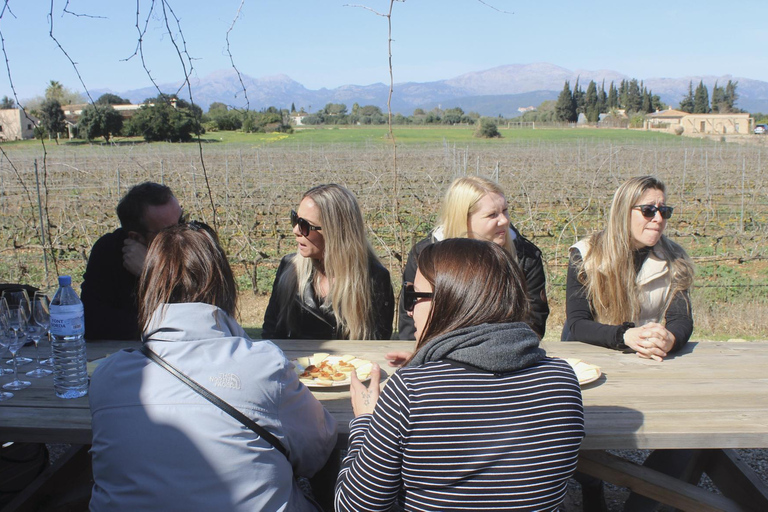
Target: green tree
[634, 97]
[718, 99]
[701, 99]
[487, 129]
[217, 106]
[52, 118]
[687, 104]
[162, 122]
[591, 107]
[602, 100]
[452, 116]
[565, 108]
[99, 121]
[112, 99]
[731, 96]
[613, 98]
[335, 109]
[293, 108]
[7, 103]
[56, 91]
[578, 98]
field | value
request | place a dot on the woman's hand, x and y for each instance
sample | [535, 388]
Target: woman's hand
[364, 398]
[651, 341]
[397, 359]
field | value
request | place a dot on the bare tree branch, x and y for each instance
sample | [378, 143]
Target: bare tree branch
[67, 11]
[74, 64]
[494, 8]
[232, 60]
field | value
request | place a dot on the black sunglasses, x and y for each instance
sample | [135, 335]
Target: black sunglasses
[304, 226]
[411, 296]
[649, 210]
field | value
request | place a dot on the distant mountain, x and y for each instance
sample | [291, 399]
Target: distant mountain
[500, 90]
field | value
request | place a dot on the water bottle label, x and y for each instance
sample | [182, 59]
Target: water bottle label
[67, 320]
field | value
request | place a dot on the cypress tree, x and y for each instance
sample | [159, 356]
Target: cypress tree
[701, 99]
[591, 108]
[686, 105]
[718, 99]
[602, 100]
[565, 108]
[613, 97]
[731, 96]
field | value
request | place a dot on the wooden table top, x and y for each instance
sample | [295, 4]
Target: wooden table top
[712, 395]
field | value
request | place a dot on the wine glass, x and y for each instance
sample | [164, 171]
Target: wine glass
[18, 322]
[38, 327]
[5, 331]
[5, 339]
[18, 298]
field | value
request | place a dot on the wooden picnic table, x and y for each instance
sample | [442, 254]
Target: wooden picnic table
[711, 397]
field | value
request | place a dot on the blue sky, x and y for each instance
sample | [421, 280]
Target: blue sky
[325, 43]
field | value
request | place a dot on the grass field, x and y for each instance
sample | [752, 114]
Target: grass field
[558, 181]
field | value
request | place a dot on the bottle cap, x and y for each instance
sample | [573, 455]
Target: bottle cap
[65, 280]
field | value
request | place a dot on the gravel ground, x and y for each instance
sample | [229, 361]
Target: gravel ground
[614, 496]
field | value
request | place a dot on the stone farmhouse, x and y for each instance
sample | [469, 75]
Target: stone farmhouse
[698, 124]
[14, 125]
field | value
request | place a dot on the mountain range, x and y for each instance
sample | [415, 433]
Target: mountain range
[497, 91]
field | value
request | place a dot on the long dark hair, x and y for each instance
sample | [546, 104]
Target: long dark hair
[185, 263]
[474, 282]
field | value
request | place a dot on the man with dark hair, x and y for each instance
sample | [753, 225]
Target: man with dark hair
[117, 259]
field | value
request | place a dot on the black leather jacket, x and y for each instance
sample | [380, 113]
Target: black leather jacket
[290, 316]
[529, 259]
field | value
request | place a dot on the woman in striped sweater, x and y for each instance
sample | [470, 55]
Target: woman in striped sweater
[478, 418]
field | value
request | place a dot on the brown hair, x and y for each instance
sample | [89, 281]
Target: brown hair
[185, 263]
[474, 282]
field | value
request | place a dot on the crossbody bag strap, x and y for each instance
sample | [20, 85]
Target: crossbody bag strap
[215, 400]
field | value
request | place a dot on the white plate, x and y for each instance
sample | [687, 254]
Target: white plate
[302, 362]
[585, 372]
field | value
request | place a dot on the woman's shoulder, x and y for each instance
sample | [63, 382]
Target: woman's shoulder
[523, 246]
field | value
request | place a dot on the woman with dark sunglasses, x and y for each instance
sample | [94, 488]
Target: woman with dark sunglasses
[479, 418]
[628, 285]
[333, 287]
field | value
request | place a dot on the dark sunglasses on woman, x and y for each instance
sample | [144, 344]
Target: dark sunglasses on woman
[411, 296]
[304, 226]
[649, 210]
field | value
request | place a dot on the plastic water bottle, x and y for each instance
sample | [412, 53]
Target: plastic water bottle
[70, 365]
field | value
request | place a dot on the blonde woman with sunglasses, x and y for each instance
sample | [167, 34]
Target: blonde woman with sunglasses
[628, 285]
[334, 286]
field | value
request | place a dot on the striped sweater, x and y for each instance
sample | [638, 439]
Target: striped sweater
[446, 436]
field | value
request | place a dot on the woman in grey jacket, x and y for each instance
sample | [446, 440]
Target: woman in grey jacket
[157, 444]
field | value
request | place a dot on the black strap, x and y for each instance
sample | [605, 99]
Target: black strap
[215, 400]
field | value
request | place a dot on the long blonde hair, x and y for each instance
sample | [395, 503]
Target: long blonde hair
[460, 203]
[608, 269]
[346, 258]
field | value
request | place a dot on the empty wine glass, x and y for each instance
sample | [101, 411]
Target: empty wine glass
[18, 323]
[5, 338]
[5, 331]
[18, 298]
[38, 327]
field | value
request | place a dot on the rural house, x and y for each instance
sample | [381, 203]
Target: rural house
[698, 124]
[14, 125]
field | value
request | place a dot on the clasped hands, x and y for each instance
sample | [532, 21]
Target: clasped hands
[650, 341]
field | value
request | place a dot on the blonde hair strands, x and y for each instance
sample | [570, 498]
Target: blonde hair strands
[608, 270]
[346, 260]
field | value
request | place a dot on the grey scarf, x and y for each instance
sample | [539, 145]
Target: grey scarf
[498, 348]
